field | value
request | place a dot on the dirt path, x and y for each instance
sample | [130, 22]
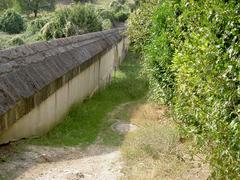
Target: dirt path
[46, 163]
[106, 165]
[63, 163]
[156, 153]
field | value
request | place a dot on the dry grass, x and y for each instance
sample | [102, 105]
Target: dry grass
[155, 151]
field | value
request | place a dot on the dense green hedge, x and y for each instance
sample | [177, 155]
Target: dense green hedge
[192, 59]
[11, 22]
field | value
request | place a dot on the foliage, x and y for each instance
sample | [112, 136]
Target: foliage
[122, 16]
[120, 9]
[16, 41]
[85, 17]
[159, 55]
[117, 5]
[75, 20]
[191, 56]
[5, 4]
[106, 24]
[139, 25]
[37, 24]
[207, 81]
[11, 22]
[33, 6]
[70, 29]
[51, 30]
[106, 14]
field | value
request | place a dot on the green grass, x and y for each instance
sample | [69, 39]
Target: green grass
[87, 120]
[5, 39]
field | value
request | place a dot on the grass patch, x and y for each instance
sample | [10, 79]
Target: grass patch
[155, 151]
[5, 39]
[87, 120]
[151, 152]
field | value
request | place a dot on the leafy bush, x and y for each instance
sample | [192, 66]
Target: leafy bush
[207, 81]
[191, 56]
[11, 22]
[16, 41]
[116, 5]
[37, 24]
[120, 9]
[122, 16]
[106, 24]
[77, 19]
[139, 25]
[85, 17]
[70, 29]
[106, 14]
[52, 30]
[158, 59]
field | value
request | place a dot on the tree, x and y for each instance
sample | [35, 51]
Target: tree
[33, 6]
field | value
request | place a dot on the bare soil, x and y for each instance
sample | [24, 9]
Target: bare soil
[101, 162]
[41, 163]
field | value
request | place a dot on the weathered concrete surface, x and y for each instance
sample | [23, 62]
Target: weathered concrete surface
[39, 82]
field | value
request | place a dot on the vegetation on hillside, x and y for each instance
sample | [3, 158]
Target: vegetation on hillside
[190, 51]
[38, 20]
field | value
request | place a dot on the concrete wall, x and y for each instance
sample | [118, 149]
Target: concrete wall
[37, 112]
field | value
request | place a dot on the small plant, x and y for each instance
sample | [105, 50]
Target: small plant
[52, 30]
[85, 17]
[106, 24]
[120, 9]
[122, 15]
[11, 22]
[70, 21]
[116, 5]
[16, 41]
[70, 29]
[106, 14]
[37, 24]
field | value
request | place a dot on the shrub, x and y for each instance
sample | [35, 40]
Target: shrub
[159, 54]
[191, 56]
[37, 24]
[139, 25]
[70, 21]
[207, 81]
[106, 24]
[116, 5]
[52, 30]
[106, 14]
[11, 22]
[122, 16]
[70, 29]
[85, 17]
[120, 9]
[16, 41]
